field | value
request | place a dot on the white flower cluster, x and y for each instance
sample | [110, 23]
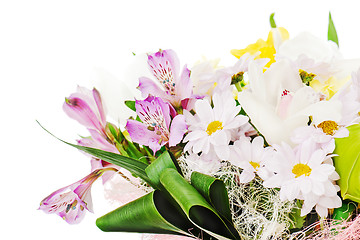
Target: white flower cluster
[297, 107]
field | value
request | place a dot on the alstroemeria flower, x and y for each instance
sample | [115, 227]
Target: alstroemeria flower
[71, 201]
[85, 106]
[156, 128]
[174, 88]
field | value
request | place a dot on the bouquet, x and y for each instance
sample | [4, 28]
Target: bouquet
[265, 149]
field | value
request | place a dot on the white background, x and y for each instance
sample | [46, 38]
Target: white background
[49, 47]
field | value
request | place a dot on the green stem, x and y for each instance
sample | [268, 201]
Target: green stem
[238, 86]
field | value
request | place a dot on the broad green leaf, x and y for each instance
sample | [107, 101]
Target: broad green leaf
[347, 164]
[214, 191]
[332, 35]
[152, 213]
[154, 170]
[195, 206]
[131, 105]
[134, 166]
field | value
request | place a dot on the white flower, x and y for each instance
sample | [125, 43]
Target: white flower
[278, 102]
[321, 203]
[322, 134]
[349, 95]
[203, 77]
[302, 173]
[205, 163]
[251, 157]
[211, 127]
[319, 59]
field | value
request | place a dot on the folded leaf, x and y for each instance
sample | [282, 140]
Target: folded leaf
[194, 205]
[214, 191]
[152, 213]
[154, 170]
[347, 164]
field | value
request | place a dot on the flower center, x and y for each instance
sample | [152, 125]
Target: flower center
[301, 169]
[213, 127]
[306, 77]
[329, 127]
[255, 165]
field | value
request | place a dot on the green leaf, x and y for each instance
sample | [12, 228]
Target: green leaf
[154, 170]
[152, 213]
[134, 166]
[295, 216]
[194, 205]
[214, 191]
[272, 21]
[345, 211]
[332, 35]
[131, 105]
[347, 163]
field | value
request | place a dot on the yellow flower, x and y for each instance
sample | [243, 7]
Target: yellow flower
[266, 48]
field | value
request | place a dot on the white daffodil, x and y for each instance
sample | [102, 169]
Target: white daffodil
[211, 127]
[278, 102]
[251, 157]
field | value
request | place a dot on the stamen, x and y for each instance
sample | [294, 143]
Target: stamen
[306, 78]
[329, 127]
[255, 165]
[301, 169]
[213, 127]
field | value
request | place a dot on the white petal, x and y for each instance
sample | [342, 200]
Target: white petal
[305, 186]
[246, 176]
[204, 111]
[317, 188]
[223, 152]
[322, 211]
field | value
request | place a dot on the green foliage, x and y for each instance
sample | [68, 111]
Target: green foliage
[347, 164]
[332, 35]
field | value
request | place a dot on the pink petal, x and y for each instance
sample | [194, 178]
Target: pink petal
[140, 134]
[177, 130]
[99, 105]
[79, 110]
[184, 85]
[149, 87]
[164, 61]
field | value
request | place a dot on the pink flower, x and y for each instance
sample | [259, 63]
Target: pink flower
[174, 88]
[155, 130]
[71, 201]
[85, 106]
